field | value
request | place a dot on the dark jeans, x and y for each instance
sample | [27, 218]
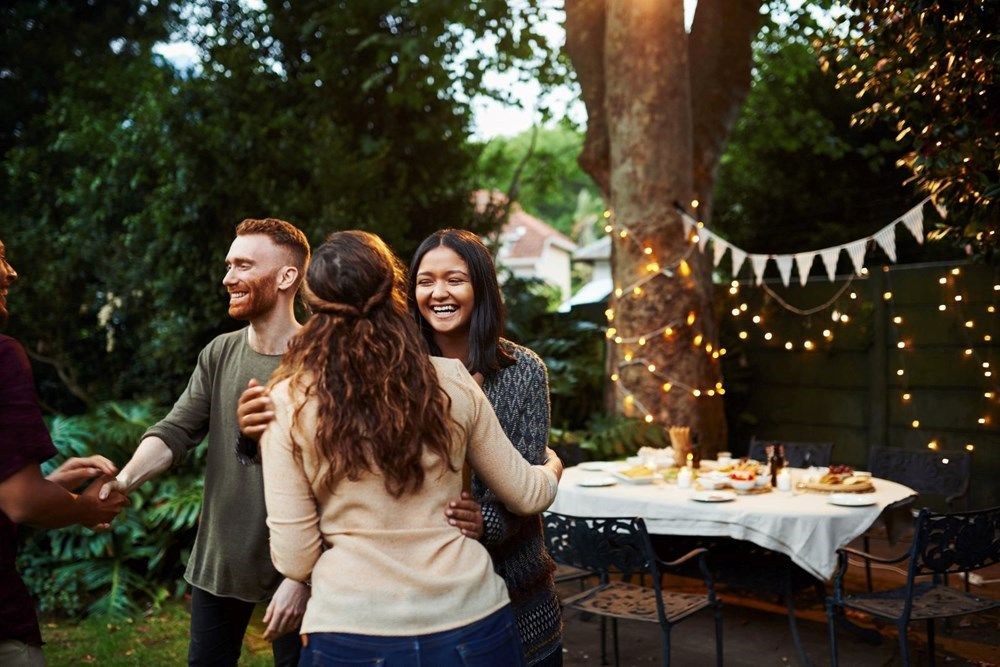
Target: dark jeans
[217, 628]
[490, 642]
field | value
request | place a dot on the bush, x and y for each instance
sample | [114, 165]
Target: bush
[142, 558]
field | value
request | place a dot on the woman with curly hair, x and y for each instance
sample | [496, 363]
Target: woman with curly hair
[367, 445]
[455, 298]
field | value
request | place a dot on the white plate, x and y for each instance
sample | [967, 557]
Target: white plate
[852, 499]
[646, 479]
[597, 480]
[599, 466]
[713, 496]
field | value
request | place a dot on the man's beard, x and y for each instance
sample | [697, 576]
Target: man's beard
[262, 295]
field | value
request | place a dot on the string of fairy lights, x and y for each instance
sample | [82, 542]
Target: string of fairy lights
[843, 308]
[953, 299]
[631, 356]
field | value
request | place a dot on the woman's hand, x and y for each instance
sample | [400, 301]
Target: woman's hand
[75, 471]
[466, 515]
[255, 410]
[553, 462]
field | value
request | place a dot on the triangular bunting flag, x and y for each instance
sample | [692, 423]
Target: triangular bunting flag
[886, 238]
[804, 262]
[830, 257]
[703, 237]
[718, 250]
[942, 211]
[856, 251]
[688, 224]
[784, 263]
[739, 256]
[759, 262]
[913, 220]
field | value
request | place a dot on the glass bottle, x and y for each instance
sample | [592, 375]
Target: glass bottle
[776, 463]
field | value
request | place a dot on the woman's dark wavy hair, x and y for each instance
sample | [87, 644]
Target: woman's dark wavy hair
[486, 355]
[361, 358]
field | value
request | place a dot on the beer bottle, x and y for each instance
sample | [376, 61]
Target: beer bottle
[776, 462]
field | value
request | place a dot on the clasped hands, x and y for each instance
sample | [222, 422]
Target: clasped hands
[75, 471]
[255, 411]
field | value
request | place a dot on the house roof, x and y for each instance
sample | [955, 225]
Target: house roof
[524, 235]
[599, 249]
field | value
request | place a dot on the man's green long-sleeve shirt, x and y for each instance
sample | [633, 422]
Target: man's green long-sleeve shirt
[231, 556]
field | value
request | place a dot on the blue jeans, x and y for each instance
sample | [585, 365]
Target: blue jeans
[490, 642]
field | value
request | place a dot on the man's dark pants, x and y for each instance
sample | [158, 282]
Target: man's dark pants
[217, 628]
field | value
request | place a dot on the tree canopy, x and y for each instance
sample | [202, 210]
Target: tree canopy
[929, 68]
[125, 177]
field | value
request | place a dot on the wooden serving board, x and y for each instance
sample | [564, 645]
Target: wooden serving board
[857, 487]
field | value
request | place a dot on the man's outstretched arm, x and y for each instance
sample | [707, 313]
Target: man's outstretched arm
[151, 458]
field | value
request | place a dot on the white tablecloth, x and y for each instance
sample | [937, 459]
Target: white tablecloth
[802, 525]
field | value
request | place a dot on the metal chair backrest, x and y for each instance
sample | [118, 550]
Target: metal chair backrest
[926, 472]
[604, 545]
[957, 542]
[797, 454]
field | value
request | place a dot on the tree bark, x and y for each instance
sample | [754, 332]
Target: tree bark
[585, 27]
[660, 107]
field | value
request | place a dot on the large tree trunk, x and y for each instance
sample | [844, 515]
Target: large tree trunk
[654, 137]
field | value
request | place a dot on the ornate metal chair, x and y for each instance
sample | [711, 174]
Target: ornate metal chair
[945, 475]
[621, 546]
[797, 454]
[942, 543]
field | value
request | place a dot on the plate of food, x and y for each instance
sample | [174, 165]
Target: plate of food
[838, 479]
[597, 480]
[713, 496]
[638, 474]
[852, 499]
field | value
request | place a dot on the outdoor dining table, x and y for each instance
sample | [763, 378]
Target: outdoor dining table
[805, 526]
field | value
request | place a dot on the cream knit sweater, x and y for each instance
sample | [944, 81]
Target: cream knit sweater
[380, 565]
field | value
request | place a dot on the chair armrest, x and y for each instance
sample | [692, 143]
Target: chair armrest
[871, 557]
[683, 559]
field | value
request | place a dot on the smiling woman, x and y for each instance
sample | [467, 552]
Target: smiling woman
[455, 298]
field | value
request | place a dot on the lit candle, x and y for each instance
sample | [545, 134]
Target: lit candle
[690, 460]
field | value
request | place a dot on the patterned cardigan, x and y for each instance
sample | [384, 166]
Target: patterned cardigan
[520, 397]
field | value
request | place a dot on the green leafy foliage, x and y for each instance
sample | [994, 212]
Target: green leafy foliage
[538, 168]
[125, 177]
[929, 69]
[141, 559]
[796, 174]
[571, 348]
[609, 437]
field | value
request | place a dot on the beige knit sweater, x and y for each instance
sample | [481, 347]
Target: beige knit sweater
[380, 565]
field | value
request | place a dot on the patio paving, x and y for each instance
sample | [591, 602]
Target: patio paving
[755, 632]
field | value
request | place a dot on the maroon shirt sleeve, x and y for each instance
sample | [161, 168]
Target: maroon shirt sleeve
[24, 440]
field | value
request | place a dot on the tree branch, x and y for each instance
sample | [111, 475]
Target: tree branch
[585, 30]
[720, 56]
[66, 374]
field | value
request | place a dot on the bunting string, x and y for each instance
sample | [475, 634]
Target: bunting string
[802, 262]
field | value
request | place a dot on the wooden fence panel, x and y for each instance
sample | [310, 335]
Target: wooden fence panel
[849, 392]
